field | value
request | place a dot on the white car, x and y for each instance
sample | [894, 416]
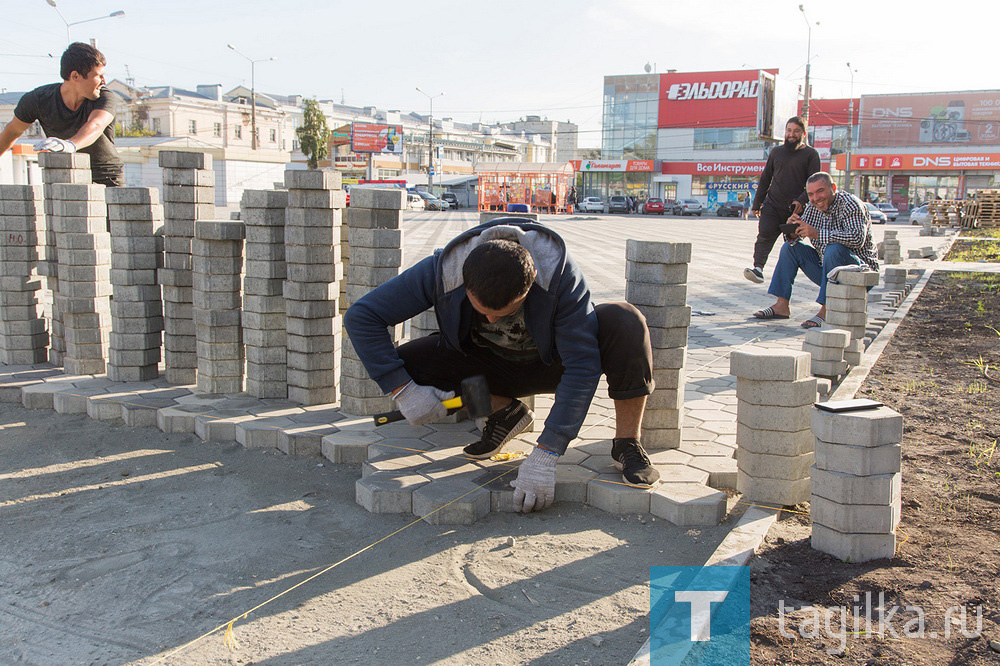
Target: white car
[591, 205]
[920, 215]
[414, 201]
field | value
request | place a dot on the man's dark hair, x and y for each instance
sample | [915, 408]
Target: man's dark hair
[798, 120]
[498, 272]
[818, 176]
[82, 58]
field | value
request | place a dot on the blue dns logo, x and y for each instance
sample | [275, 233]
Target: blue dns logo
[699, 616]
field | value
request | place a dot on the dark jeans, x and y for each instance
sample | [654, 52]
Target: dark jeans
[623, 339]
[768, 232]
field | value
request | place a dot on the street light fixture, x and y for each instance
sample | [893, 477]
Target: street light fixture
[253, 94]
[52, 3]
[850, 131]
[809, 25]
[430, 140]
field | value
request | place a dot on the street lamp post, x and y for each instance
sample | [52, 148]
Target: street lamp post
[52, 3]
[430, 141]
[808, 92]
[253, 94]
[850, 132]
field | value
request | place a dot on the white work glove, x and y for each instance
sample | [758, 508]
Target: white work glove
[422, 404]
[55, 145]
[535, 485]
[849, 268]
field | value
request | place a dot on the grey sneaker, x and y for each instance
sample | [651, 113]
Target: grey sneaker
[629, 456]
[500, 428]
[754, 274]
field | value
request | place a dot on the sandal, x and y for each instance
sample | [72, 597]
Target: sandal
[813, 322]
[768, 313]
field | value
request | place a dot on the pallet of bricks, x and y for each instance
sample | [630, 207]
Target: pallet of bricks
[945, 212]
[987, 213]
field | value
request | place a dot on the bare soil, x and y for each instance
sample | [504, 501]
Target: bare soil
[940, 371]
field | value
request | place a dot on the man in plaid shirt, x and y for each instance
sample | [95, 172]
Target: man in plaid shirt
[839, 231]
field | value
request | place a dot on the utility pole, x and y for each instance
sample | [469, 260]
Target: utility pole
[808, 91]
[430, 141]
[850, 133]
[253, 95]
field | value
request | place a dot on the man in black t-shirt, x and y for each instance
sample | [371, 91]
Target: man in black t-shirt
[76, 115]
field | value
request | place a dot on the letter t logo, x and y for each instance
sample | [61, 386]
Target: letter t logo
[701, 610]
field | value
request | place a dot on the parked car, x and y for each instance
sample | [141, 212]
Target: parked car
[431, 202]
[920, 215]
[890, 211]
[653, 205]
[877, 216]
[591, 205]
[730, 209]
[617, 204]
[451, 198]
[688, 207]
[415, 201]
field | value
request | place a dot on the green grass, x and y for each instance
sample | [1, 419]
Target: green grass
[981, 232]
[974, 250]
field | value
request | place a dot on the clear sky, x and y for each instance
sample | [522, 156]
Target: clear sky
[499, 61]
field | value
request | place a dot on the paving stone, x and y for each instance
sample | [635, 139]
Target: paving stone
[722, 470]
[344, 448]
[659, 439]
[858, 460]
[608, 493]
[688, 504]
[858, 278]
[451, 502]
[770, 365]
[871, 427]
[772, 417]
[776, 492]
[774, 466]
[657, 252]
[856, 518]
[853, 547]
[388, 492]
[774, 442]
[850, 489]
[777, 393]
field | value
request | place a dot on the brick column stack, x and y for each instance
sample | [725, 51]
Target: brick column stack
[774, 439]
[890, 247]
[376, 238]
[826, 350]
[313, 222]
[856, 483]
[24, 338]
[188, 195]
[136, 219]
[218, 262]
[894, 282]
[263, 214]
[847, 309]
[71, 168]
[656, 284]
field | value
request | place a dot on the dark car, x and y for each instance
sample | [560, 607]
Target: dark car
[451, 199]
[730, 209]
[617, 204]
[653, 205]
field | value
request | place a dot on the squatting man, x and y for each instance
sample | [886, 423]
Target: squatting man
[511, 304]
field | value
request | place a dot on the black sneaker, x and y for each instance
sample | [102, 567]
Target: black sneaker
[754, 274]
[631, 459]
[500, 428]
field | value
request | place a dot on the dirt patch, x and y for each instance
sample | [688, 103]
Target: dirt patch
[974, 250]
[940, 372]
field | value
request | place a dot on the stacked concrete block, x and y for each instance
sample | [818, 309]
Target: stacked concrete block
[847, 302]
[80, 221]
[894, 282]
[24, 337]
[856, 483]
[136, 219]
[263, 214]
[313, 223]
[376, 254]
[891, 252]
[188, 195]
[423, 324]
[826, 349]
[774, 439]
[57, 168]
[217, 251]
[656, 284]
[926, 252]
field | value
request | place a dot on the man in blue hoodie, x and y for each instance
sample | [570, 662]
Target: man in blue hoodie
[512, 305]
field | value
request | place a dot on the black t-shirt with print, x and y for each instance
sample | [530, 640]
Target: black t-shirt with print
[45, 104]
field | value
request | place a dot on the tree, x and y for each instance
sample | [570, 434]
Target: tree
[314, 135]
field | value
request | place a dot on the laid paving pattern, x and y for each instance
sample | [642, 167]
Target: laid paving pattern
[422, 470]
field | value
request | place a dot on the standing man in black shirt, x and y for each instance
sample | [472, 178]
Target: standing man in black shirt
[76, 115]
[781, 191]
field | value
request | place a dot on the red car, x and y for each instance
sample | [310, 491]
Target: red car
[653, 205]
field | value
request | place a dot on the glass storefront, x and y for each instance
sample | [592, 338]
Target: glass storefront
[631, 109]
[610, 183]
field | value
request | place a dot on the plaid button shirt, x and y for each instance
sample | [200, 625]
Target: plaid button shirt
[847, 222]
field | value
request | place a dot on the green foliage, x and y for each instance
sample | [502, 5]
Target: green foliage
[314, 135]
[135, 128]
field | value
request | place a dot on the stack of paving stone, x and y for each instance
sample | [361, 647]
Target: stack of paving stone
[894, 282]
[926, 252]
[217, 251]
[826, 349]
[847, 302]
[374, 224]
[80, 221]
[656, 284]
[57, 168]
[188, 195]
[856, 483]
[890, 247]
[24, 339]
[136, 219]
[774, 439]
[312, 260]
[263, 214]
